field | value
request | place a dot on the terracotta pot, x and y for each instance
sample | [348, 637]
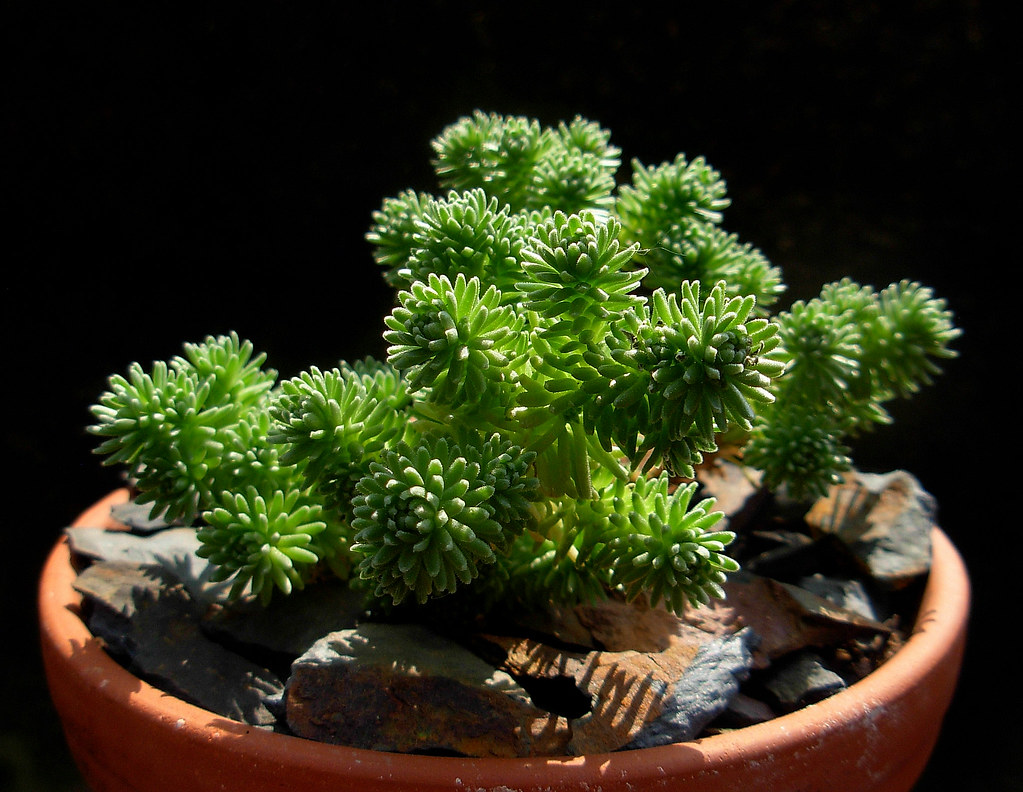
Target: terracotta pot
[876, 735]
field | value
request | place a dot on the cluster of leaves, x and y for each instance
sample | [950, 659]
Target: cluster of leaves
[560, 359]
[848, 353]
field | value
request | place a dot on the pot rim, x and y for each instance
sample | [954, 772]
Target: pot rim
[938, 632]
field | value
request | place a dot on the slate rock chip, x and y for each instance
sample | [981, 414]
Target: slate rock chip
[173, 549]
[801, 680]
[152, 626]
[287, 626]
[704, 692]
[403, 688]
[638, 698]
[885, 521]
[138, 517]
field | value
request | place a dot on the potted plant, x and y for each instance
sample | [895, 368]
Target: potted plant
[564, 356]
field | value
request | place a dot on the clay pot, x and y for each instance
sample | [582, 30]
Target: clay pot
[876, 735]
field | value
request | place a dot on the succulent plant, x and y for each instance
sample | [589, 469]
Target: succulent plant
[562, 356]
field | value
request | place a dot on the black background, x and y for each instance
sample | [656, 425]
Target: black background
[173, 172]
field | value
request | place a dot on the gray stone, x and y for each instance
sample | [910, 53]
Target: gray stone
[148, 618]
[403, 688]
[117, 592]
[786, 554]
[703, 692]
[119, 545]
[804, 679]
[637, 697]
[742, 711]
[138, 517]
[287, 625]
[885, 520]
[847, 593]
[173, 549]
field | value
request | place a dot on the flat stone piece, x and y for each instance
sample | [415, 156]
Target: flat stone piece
[287, 626]
[785, 618]
[885, 520]
[734, 488]
[847, 593]
[148, 618]
[788, 554]
[801, 680]
[614, 625]
[742, 711]
[173, 549]
[703, 692]
[118, 591]
[138, 517]
[403, 688]
[118, 545]
[122, 586]
[638, 698]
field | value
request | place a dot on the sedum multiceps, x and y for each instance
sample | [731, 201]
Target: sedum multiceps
[562, 354]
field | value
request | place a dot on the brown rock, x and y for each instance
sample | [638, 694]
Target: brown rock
[784, 617]
[629, 690]
[626, 689]
[617, 626]
[735, 488]
[403, 688]
[884, 520]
